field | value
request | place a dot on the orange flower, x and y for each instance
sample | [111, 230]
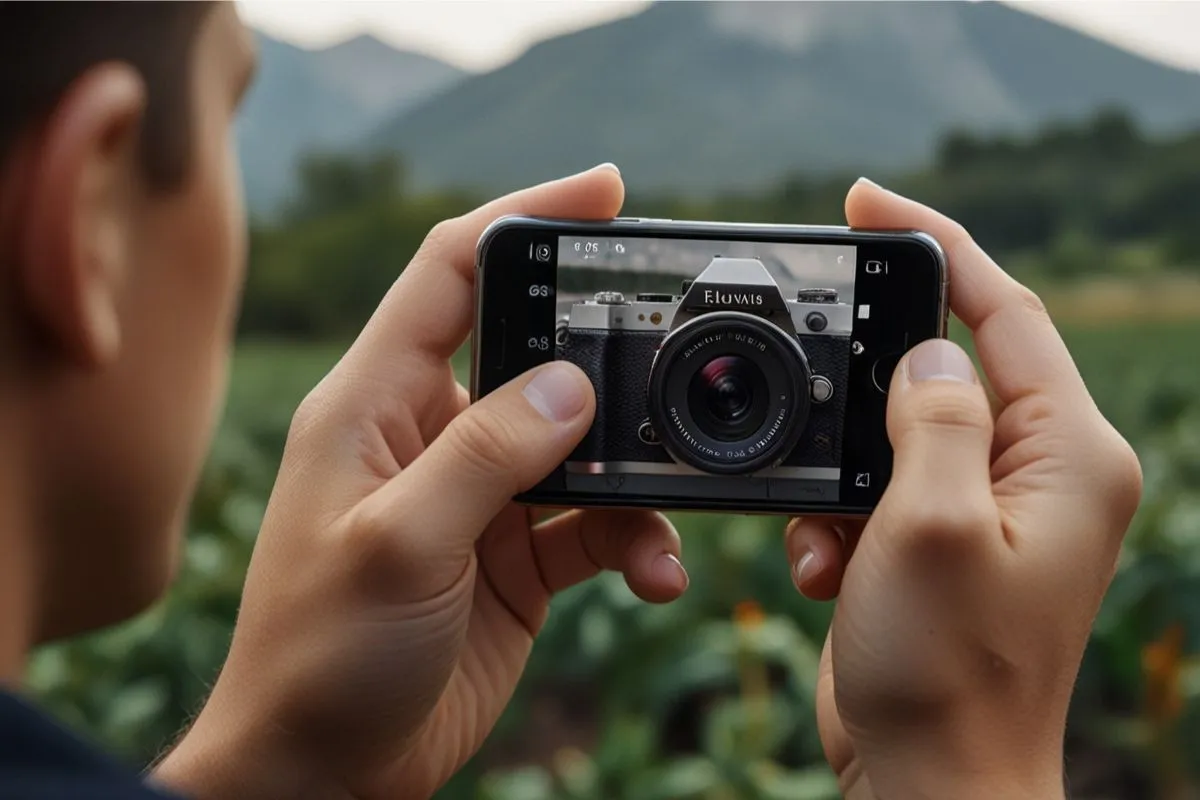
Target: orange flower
[1162, 664]
[748, 615]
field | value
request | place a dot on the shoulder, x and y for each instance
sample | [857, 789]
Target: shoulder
[41, 760]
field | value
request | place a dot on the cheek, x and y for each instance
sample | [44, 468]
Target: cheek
[222, 239]
[185, 310]
[132, 439]
[219, 271]
[210, 271]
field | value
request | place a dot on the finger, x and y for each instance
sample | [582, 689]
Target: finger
[502, 445]
[816, 550]
[643, 545]
[940, 425]
[426, 315]
[1019, 348]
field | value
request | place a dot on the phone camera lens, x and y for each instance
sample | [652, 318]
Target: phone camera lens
[542, 253]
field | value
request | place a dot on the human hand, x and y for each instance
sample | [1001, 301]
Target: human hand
[395, 591]
[967, 600]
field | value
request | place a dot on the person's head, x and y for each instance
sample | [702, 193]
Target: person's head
[121, 258]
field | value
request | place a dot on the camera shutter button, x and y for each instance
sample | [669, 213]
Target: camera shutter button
[816, 321]
[821, 389]
[610, 298]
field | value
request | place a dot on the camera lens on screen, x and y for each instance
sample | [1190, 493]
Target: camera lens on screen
[542, 252]
[728, 397]
[728, 393]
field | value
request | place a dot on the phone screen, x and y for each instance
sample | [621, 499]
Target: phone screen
[738, 368]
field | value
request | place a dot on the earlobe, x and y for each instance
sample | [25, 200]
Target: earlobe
[77, 212]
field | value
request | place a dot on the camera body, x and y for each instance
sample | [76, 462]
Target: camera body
[726, 379]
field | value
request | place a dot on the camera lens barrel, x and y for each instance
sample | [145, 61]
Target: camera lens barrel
[729, 393]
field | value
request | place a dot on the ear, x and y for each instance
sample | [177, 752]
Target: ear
[77, 209]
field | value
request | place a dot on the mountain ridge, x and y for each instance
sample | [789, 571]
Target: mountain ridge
[770, 88]
[326, 99]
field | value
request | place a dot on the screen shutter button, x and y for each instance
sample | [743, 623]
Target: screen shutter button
[881, 372]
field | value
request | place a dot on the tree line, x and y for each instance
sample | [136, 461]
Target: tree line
[1072, 200]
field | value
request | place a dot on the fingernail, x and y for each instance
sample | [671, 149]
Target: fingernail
[608, 165]
[806, 569]
[865, 181]
[940, 360]
[556, 391]
[667, 571]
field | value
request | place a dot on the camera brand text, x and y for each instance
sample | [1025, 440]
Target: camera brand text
[714, 297]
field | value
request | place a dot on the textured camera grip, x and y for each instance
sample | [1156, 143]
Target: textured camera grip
[618, 363]
[821, 443]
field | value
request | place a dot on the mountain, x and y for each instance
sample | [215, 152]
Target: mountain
[305, 100]
[705, 96]
[380, 78]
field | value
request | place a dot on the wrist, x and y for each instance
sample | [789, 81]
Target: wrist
[941, 782]
[225, 761]
[923, 770]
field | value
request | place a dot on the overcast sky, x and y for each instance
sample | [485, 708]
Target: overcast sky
[483, 34]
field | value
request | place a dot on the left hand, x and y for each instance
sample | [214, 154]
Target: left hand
[395, 591]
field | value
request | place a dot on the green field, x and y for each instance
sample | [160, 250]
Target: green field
[1122, 363]
[627, 701]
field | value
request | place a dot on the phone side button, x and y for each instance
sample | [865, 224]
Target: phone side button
[881, 372]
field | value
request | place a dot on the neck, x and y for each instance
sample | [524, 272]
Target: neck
[17, 567]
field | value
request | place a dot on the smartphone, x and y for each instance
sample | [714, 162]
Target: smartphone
[739, 368]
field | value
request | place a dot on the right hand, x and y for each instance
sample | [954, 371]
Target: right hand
[967, 600]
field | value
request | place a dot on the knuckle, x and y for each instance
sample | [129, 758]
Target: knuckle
[1041, 413]
[365, 534]
[947, 526]
[959, 242]
[485, 441]
[440, 236]
[947, 410]
[372, 548]
[957, 235]
[309, 415]
[1031, 301]
[1121, 478]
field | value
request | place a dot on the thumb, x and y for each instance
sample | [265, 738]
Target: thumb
[502, 445]
[940, 425]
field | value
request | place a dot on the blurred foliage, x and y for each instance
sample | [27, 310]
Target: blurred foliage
[1074, 201]
[712, 697]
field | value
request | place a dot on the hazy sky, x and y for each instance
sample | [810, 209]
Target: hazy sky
[482, 34]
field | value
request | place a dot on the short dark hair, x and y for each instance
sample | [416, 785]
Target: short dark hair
[46, 46]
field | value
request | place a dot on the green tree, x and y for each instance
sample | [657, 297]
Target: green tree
[331, 183]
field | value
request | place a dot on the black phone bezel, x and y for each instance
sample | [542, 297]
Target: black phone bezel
[923, 323]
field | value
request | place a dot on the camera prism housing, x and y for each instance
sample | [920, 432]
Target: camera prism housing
[726, 380]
